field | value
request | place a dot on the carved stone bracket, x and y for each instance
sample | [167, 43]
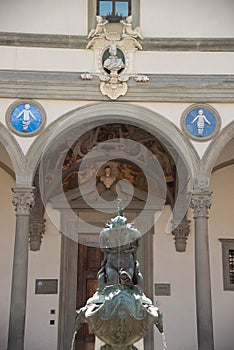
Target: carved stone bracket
[180, 234]
[201, 203]
[36, 232]
[23, 200]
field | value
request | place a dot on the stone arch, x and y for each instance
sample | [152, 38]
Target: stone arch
[214, 149]
[110, 112]
[15, 154]
[119, 112]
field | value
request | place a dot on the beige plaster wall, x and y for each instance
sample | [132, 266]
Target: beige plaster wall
[221, 226]
[5, 158]
[172, 18]
[70, 60]
[177, 269]
[183, 18]
[184, 62]
[7, 234]
[44, 16]
[44, 264]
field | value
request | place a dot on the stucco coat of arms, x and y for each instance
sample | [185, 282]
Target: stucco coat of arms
[114, 55]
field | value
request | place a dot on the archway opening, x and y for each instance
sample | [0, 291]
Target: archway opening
[72, 175]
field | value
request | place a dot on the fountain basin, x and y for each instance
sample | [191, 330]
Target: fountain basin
[120, 316]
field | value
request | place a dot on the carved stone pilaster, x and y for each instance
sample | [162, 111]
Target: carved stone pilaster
[23, 200]
[180, 234]
[201, 203]
[36, 232]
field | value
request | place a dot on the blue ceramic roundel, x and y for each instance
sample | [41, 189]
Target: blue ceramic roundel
[200, 122]
[26, 118]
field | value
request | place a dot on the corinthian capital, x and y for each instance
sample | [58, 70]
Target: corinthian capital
[23, 200]
[201, 203]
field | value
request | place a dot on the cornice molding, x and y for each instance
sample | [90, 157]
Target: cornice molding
[43, 40]
[189, 44]
[149, 44]
[159, 88]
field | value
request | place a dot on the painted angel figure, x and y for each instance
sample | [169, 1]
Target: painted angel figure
[100, 28]
[201, 120]
[127, 28]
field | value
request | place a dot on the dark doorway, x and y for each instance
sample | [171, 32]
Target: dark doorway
[89, 262]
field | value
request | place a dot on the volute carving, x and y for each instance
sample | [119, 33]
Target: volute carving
[23, 200]
[201, 203]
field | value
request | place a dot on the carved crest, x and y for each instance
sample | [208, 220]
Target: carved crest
[114, 54]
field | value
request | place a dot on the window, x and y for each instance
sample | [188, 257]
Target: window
[228, 263]
[113, 9]
[231, 266]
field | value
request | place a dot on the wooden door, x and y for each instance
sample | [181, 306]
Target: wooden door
[89, 262]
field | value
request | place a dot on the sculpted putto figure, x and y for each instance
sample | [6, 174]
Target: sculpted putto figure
[100, 28]
[119, 241]
[127, 28]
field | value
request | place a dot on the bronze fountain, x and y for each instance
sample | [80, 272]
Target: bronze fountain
[119, 313]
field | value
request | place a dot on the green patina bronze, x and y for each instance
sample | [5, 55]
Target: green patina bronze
[119, 313]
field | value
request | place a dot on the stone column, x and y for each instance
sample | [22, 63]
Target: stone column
[23, 200]
[145, 257]
[68, 279]
[201, 202]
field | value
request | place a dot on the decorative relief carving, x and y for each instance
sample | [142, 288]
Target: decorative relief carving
[113, 88]
[23, 200]
[201, 203]
[114, 53]
[181, 233]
